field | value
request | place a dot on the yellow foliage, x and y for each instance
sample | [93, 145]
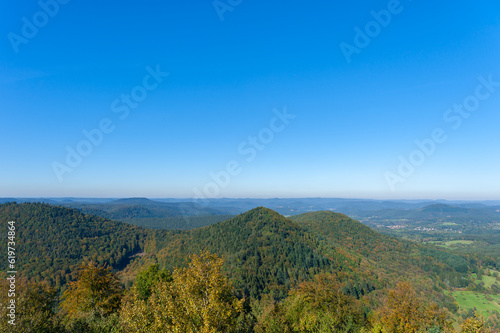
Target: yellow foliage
[322, 306]
[473, 325]
[96, 290]
[406, 312]
[199, 299]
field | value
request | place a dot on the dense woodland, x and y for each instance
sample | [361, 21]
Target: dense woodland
[177, 223]
[256, 272]
[52, 241]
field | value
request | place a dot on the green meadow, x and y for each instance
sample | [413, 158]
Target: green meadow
[469, 300]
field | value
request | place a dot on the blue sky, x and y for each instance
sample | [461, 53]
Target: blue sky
[322, 124]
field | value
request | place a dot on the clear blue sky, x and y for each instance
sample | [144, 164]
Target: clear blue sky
[353, 119]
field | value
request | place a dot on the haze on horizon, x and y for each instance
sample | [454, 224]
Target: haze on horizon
[373, 99]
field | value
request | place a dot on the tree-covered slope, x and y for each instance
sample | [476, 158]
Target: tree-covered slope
[263, 250]
[178, 223]
[387, 254]
[123, 209]
[153, 214]
[52, 241]
[341, 231]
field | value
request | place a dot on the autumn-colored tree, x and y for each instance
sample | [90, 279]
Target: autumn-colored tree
[138, 315]
[474, 325]
[198, 299]
[322, 306]
[96, 292]
[406, 312]
[34, 308]
[270, 316]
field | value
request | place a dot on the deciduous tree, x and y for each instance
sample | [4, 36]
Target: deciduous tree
[406, 312]
[96, 292]
[322, 306]
[198, 299]
[474, 325]
[34, 308]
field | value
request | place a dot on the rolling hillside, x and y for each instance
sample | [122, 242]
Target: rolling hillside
[52, 241]
[268, 253]
[143, 208]
[265, 253]
[389, 254]
[153, 214]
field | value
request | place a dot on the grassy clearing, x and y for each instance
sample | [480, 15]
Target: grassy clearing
[455, 242]
[449, 223]
[489, 281]
[469, 300]
[451, 244]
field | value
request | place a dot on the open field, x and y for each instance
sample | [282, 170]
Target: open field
[469, 300]
[452, 243]
[455, 242]
[490, 280]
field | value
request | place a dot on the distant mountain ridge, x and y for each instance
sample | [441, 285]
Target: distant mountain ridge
[284, 206]
[146, 208]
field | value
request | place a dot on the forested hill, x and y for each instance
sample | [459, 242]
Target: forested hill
[264, 252]
[52, 241]
[268, 253]
[342, 231]
[385, 253]
[138, 208]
